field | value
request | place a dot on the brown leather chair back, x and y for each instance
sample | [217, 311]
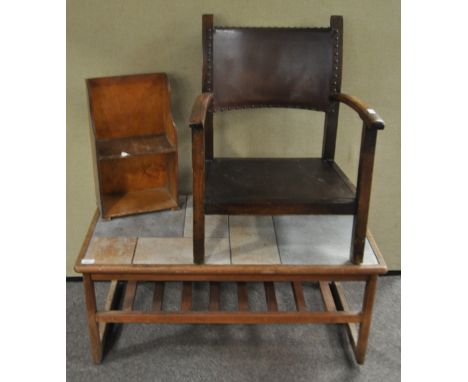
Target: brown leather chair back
[273, 67]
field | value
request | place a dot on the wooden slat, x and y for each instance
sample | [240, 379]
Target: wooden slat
[242, 296]
[109, 304]
[298, 296]
[214, 296]
[270, 296]
[309, 272]
[209, 317]
[342, 305]
[129, 297]
[186, 304]
[327, 296]
[158, 296]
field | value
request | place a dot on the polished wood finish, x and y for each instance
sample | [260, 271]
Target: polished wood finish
[277, 186]
[195, 272]
[135, 144]
[265, 271]
[200, 110]
[369, 116]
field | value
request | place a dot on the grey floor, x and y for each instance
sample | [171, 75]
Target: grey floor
[236, 352]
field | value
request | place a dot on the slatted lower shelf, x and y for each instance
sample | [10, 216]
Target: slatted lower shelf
[334, 310]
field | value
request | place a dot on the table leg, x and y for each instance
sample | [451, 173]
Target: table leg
[93, 328]
[364, 327]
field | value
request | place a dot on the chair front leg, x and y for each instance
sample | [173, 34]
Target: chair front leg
[198, 164]
[363, 190]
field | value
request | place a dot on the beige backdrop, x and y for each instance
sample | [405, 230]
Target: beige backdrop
[110, 37]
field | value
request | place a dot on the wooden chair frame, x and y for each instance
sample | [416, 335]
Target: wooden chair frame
[201, 123]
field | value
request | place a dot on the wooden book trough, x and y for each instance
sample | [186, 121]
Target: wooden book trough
[135, 144]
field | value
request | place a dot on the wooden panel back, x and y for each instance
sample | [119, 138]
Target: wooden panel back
[127, 106]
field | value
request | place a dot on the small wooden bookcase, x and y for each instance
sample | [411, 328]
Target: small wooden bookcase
[126, 259]
[134, 144]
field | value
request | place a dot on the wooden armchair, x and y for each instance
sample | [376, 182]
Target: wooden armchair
[287, 68]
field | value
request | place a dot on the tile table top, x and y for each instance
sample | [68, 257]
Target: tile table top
[166, 238]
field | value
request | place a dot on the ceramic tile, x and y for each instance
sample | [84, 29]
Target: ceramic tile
[215, 225]
[253, 240]
[153, 224]
[317, 239]
[152, 250]
[217, 251]
[110, 250]
[250, 225]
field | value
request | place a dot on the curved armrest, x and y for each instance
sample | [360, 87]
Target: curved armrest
[199, 109]
[369, 116]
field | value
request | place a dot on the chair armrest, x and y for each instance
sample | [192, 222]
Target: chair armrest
[199, 110]
[368, 115]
